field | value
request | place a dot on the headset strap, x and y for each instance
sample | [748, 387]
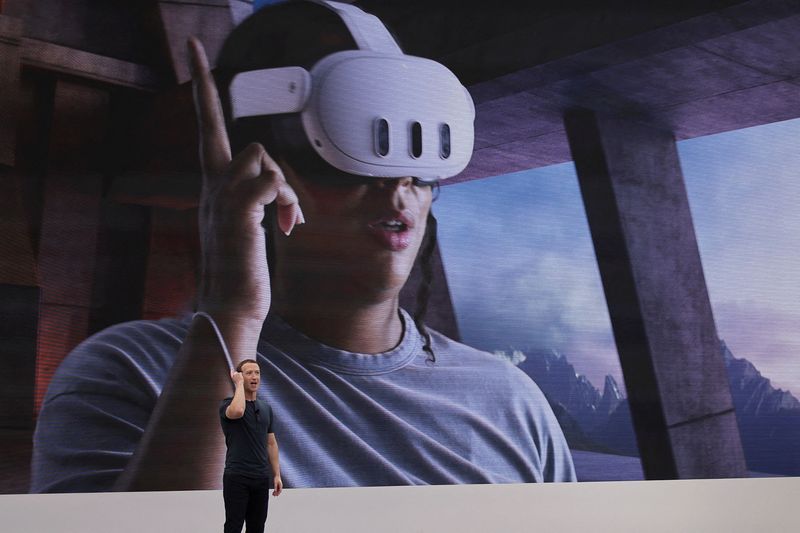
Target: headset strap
[367, 30]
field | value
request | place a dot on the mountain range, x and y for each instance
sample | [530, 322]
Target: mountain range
[768, 418]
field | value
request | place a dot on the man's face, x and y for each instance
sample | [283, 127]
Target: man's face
[252, 376]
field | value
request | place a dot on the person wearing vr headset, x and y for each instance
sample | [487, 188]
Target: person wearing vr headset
[320, 156]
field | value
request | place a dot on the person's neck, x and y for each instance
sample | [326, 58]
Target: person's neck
[250, 396]
[361, 327]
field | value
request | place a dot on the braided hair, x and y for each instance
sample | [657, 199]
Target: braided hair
[426, 268]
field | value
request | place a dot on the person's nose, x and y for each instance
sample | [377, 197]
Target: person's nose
[395, 183]
[394, 191]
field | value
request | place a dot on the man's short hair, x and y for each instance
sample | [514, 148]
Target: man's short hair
[244, 362]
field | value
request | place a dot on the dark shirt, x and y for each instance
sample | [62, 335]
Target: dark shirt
[246, 439]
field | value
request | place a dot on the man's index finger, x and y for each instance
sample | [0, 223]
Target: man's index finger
[215, 149]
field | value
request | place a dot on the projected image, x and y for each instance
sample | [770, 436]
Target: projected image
[400, 244]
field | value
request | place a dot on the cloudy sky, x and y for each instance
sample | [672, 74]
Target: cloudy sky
[522, 271]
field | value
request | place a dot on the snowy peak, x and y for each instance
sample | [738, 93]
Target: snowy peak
[752, 393]
[611, 397]
[563, 385]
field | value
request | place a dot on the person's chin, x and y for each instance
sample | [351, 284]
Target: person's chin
[389, 277]
[374, 262]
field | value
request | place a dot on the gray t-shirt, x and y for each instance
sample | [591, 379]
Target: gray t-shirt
[342, 418]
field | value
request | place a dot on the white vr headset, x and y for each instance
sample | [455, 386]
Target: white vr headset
[373, 111]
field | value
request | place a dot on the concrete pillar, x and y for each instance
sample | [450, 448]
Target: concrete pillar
[638, 214]
[10, 37]
[172, 263]
[120, 259]
[70, 224]
[19, 307]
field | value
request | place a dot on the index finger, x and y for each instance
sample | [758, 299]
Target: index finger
[215, 149]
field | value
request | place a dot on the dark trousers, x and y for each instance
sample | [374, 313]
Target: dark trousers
[246, 500]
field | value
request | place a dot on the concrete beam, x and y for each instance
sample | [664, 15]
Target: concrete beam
[727, 69]
[48, 56]
[641, 226]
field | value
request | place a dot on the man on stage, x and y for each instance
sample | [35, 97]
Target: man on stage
[252, 453]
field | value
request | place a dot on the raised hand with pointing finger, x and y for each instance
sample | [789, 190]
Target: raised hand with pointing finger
[235, 283]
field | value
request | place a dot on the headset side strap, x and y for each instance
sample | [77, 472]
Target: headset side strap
[269, 91]
[367, 30]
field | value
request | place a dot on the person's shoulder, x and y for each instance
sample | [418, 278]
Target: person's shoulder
[125, 353]
[492, 369]
[138, 340]
[148, 332]
[449, 351]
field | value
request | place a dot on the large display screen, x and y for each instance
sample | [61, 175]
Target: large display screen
[399, 349]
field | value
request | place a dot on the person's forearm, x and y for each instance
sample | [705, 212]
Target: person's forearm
[237, 405]
[272, 452]
[182, 447]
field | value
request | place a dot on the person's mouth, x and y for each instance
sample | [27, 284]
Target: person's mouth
[393, 231]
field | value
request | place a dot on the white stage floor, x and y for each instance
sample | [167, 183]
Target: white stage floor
[730, 506]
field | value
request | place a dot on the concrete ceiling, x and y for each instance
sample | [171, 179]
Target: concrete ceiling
[693, 70]
[693, 67]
